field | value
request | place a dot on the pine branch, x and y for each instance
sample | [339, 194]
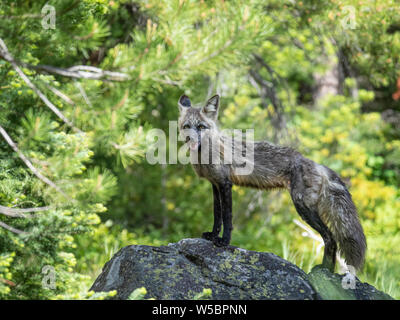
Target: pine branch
[29, 164]
[216, 52]
[5, 54]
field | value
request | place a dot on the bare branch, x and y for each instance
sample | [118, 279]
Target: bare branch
[61, 95]
[20, 213]
[267, 92]
[81, 72]
[29, 164]
[23, 17]
[12, 229]
[311, 234]
[273, 73]
[6, 281]
[78, 72]
[83, 94]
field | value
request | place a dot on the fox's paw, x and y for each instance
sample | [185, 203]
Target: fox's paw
[209, 236]
[220, 242]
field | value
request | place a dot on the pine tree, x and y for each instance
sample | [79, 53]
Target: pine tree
[70, 98]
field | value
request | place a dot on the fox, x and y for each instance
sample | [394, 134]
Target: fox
[319, 195]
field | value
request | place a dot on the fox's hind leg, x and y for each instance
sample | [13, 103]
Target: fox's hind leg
[312, 218]
[305, 201]
[217, 217]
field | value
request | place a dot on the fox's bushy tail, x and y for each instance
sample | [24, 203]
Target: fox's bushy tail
[338, 212]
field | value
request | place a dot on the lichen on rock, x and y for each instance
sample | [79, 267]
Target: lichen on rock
[182, 270]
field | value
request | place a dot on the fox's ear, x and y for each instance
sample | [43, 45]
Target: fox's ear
[211, 107]
[184, 102]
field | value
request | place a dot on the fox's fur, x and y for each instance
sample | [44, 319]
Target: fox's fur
[319, 195]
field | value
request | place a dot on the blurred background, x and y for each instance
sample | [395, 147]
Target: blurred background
[83, 81]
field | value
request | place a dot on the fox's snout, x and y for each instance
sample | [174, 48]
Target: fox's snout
[192, 138]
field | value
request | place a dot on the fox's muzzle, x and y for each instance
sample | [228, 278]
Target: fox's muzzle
[192, 138]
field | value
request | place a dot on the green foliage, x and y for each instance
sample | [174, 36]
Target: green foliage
[113, 197]
[204, 295]
[138, 294]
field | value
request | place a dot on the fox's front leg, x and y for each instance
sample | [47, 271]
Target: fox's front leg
[217, 216]
[225, 192]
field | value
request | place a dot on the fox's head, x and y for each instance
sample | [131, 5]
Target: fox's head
[197, 124]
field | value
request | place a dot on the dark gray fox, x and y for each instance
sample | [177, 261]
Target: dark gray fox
[319, 195]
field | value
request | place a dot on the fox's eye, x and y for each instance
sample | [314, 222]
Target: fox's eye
[202, 127]
[186, 126]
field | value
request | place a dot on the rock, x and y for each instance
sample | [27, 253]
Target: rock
[183, 269]
[343, 287]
